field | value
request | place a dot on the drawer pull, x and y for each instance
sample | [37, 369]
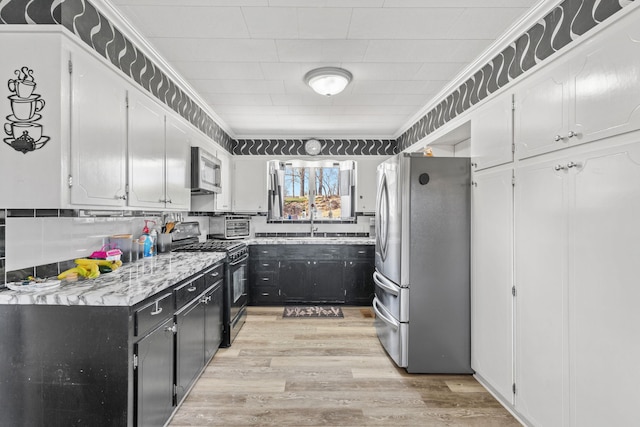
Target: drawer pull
[362, 252]
[265, 279]
[266, 264]
[158, 310]
[265, 294]
[217, 273]
[192, 289]
[172, 328]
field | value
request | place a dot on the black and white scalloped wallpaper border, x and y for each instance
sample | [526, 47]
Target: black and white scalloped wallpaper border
[561, 26]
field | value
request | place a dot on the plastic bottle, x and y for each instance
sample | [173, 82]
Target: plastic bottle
[154, 242]
[147, 240]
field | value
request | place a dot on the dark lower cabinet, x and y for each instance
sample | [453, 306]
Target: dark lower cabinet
[153, 380]
[326, 281]
[317, 274]
[108, 366]
[358, 280]
[189, 346]
[212, 320]
[294, 286]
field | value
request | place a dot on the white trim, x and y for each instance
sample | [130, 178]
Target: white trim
[129, 31]
[509, 86]
[519, 27]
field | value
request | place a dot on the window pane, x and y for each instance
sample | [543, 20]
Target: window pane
[327, 198]
[296, 192]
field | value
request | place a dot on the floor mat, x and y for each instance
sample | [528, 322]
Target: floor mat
[312, 311]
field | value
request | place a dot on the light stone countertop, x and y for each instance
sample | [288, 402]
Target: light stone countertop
[127, 286]
[311, 241]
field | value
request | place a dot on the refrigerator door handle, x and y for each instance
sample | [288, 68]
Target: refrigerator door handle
[386, 319]
[385, 284]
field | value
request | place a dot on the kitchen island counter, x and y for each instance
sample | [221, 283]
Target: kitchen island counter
[127, 286]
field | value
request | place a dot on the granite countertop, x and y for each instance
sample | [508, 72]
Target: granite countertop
[311, 241]
[127, 286]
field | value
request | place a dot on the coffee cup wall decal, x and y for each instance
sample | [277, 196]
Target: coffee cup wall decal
[24, 134]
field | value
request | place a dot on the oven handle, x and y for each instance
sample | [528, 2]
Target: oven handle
[385, 284]
[244, 257]
[389, 321]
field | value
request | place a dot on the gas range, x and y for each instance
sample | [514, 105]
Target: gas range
[186, 239]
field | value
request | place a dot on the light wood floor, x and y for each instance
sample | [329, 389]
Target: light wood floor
[327, 372]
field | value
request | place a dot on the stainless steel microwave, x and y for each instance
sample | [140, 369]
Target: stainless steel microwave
[205, 172]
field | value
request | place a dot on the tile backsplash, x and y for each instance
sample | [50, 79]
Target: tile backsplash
[43, 243]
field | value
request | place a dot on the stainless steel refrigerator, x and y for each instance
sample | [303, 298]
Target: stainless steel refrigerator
[422, 276]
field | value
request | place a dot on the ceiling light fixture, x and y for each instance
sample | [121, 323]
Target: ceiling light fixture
[328, 80]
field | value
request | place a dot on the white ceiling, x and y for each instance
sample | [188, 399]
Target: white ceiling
[247, 58]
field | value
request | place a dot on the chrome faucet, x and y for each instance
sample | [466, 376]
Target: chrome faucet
[312, 216]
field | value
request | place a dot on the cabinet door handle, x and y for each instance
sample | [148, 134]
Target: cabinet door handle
[265, 279]
[559, 167]
[217, 273]
[558, 138]
[572, 134]
[123, 197]
[157, 311]
[168, 201]
[171, 328]
[192, 289]
[572, 165]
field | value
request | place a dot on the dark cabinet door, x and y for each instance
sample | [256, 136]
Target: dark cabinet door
[294, 284]
[153, 376]
[358, 282]
[326, 281]
[189, 345]
[212, 320]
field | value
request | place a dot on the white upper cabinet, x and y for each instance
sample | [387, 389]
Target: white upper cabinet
[98, 134]
[34, 145]
[177, 165]
[366, 185]
[542, 112]
[249, 184]
[492, 133]
[223, 199]
[159, 162]
[593, 92]
[146, 153]
[606, 83]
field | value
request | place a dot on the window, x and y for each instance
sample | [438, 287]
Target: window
[300, 189]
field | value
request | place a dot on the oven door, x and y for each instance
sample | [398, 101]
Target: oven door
[238, 279]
